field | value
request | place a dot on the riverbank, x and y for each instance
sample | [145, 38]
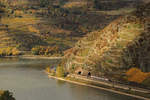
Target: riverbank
[6, 95]
[85, 83]
[1, 92]
[32, 57]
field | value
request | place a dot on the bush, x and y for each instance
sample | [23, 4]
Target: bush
[44, 3]
[60, 71]
[2, 10]
[6, 95]
[57, 11]
[96, 4]
[35, 50]
[15, 52]
[4, 4]
[146, 82]
[44, 50]
[48, 69]
[10, 51]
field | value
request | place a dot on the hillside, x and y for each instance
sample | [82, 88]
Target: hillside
[27, 24]
[121, 45]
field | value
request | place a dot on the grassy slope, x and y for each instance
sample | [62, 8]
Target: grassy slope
[123, 44]
[30, 25]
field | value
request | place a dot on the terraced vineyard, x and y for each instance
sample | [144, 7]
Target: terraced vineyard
[6, 40]
[15, 33]
[119, 46]
[28, 24]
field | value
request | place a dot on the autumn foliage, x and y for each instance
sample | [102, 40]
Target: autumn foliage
[136, 75]
[60, 72]
[44, 50]
[6, 95]
[10, 51]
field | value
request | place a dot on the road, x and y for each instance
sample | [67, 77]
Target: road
[110, 84]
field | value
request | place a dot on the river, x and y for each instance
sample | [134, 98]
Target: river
[27, 80]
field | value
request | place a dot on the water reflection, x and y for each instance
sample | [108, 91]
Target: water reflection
[30, 63]
[28, 81]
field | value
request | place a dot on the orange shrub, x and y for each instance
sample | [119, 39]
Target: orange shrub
[136, 75]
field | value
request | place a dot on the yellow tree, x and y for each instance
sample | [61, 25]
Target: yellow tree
[60, 71]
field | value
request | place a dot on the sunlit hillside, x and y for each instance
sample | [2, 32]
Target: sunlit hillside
[30, 24]
[123, 44]
[74, 49]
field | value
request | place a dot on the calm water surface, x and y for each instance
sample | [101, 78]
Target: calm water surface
[27, 80]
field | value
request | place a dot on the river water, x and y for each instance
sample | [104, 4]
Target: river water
[27, 80]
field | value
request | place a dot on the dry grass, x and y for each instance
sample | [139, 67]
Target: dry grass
[33, 29]
[18, 12]
[26, 19]
[76, 4]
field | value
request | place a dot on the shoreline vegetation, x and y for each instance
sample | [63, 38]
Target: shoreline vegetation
[104, 38]
[40, 57]
[76, 80]
[13, 52]
[6, 95]
[32, 57]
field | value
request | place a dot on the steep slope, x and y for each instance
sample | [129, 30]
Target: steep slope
[30, 24]
[16, 32]
[123, 44]
[26, 25]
